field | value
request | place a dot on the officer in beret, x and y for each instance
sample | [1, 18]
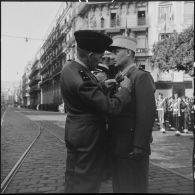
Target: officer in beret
[130, 132]
[87, 106]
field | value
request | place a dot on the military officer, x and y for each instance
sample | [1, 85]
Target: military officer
[87, 106]
[130, 131]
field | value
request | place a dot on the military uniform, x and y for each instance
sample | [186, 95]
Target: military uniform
[133, 128]
[131, 131]
[85, 128]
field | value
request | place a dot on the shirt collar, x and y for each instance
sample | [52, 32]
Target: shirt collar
[80, 62]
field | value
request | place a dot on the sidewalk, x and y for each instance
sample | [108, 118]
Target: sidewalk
[44, 167]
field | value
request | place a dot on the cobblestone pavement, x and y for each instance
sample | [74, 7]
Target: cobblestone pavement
[44, 167]
[17, 132]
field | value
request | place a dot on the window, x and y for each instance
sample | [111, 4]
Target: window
[113, 17]
[165, 13]
[141, 18]
[188, 13]
[163, 36]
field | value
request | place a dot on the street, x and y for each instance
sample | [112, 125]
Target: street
[43, 168]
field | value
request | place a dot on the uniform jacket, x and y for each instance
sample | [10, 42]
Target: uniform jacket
[86, 106]
[133, 127]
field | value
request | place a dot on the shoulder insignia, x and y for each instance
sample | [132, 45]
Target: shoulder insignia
[84, 76]
[140, 68]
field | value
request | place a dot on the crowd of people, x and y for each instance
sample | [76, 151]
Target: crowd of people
[175, 113]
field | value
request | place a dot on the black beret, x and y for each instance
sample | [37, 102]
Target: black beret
[92, 41]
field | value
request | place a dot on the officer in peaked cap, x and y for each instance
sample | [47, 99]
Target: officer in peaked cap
[87, 107]
[130, 132]
[92, 41]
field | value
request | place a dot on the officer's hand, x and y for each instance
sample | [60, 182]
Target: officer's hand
[126, 83]
[137, 153]
[110, 82]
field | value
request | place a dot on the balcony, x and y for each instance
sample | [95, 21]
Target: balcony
[34, 80]
[45, 80]
[57, 71]
[33, 72]
[141, 21]
[113, 23]
[34, 89]
[45, 65]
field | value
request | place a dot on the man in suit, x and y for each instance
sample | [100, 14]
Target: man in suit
[131, 131]
[87, 105]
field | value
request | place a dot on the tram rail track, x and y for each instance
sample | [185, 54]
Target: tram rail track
[16, 167]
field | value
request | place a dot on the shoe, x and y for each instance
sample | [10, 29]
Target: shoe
[163, 130]
[185, 131]
[177, 133]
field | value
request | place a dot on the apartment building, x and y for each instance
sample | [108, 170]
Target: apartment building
[147, 21]
[52, 60]
[34, 84]
[128, 18]
[25, 85]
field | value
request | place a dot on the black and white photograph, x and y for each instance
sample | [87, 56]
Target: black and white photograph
[97, 97]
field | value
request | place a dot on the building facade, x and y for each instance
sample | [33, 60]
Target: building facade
[165, 17]
[52, 60]
[25, 85]
[34, 84]
[147, 21]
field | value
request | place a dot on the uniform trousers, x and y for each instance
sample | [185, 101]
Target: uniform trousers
[130, 175]
[161, 117]
[84, 172]
[176, 122]
[86, 155]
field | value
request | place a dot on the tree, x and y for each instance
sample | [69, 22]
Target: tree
[175, 52]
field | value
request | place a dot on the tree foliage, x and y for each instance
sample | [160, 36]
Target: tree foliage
[175, 52]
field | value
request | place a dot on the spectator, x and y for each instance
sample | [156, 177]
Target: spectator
[170, 112]
[176, 113]
[160, 103]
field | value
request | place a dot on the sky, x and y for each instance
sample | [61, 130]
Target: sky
[23, 19]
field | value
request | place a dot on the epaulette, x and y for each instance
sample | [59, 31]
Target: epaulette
[84, 76]
[140, 68]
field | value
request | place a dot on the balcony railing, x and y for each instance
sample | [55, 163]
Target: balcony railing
[141, 21]
[57, 71]
[113, 23]
[35, 88]
[33, 72]
[35, 79]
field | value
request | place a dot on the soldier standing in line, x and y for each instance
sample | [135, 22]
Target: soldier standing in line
[176, 113]
[160, 103]
[87, 106]
[131, 131]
